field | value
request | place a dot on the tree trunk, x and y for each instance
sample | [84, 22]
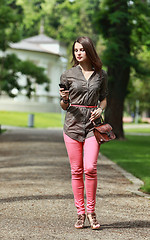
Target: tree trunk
[114, 115]
[115, 102]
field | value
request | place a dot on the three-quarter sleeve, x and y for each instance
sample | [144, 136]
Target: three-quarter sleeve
[104, 88]
[63, 80]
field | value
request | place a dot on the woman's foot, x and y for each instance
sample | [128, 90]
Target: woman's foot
[92, 220]
[80, 221]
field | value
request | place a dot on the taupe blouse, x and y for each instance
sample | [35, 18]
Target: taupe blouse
[82, 92]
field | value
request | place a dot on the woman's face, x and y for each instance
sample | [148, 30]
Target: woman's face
[79, 52]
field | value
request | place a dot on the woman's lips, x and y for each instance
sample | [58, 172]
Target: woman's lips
[79, 58]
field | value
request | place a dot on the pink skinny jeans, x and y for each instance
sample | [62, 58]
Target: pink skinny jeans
[86, 163]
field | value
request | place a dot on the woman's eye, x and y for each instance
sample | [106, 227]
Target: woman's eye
[80, 50]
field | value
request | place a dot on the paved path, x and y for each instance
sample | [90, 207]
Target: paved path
[36, 200]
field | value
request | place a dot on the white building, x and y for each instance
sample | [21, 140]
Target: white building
[45, 52]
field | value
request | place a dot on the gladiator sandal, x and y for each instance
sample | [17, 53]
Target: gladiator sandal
[92, 220]
[80, 221]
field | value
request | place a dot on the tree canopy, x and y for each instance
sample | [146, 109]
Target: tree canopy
[11, 67]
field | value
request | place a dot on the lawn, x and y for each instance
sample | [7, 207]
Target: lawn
[138, 130]
[133, 154]
[41, 120]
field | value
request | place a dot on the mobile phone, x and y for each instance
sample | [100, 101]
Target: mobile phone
[63, 86]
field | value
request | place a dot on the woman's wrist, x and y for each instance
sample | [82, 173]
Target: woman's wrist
[101, 109]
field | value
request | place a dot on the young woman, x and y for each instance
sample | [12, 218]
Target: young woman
[83, 91]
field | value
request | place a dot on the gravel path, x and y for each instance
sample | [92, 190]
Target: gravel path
[36, 200]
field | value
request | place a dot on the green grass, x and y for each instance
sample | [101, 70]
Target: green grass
[138, 130]
[20, 119]
[133, 154]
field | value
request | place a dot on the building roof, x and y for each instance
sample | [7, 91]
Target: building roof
[39, 43]
[41, 38]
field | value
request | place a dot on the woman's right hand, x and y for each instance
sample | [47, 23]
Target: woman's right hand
[64, 94]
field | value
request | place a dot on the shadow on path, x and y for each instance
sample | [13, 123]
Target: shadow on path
[37, 197]
[128, 224]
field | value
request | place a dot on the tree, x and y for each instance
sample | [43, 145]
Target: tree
[32, 16]
[139, 86]
[124, 24]
[11, 67]
[64, 20]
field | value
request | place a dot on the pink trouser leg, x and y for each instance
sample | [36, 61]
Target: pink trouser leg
[91, 151]
[75, 153]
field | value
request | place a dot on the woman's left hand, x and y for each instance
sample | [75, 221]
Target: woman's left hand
[95, 114]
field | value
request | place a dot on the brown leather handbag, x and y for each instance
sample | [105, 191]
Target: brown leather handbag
[103, 132]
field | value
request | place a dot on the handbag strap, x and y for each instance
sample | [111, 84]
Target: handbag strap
[102, 121]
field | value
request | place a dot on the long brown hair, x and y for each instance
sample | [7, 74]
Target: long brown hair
[90, 52]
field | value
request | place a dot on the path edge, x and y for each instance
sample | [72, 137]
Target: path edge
[136, 182]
